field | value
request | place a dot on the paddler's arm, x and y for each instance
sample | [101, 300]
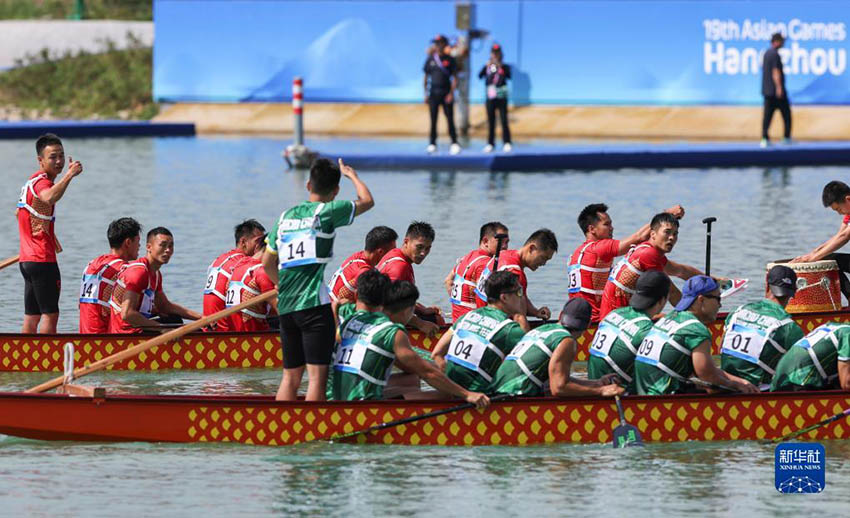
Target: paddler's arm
[408, 360]
[682, 271]
[831, 245]
[674, 295]
[167, 307]
[706, 370]
[844, 375]
[130, 315]
[642, 234]
[51, 195]
[562, 385]
[364, 199]
[531, 310]
[429, 328]
[438, 353]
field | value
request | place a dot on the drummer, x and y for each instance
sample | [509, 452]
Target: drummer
[836, 196]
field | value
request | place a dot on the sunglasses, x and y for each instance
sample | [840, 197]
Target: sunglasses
[715, 297]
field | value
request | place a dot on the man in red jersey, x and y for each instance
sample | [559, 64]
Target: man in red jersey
[138, 294]
[462, 279]
[647, 256]
[537, 251]
[590, 264]
[249, 280]
[248, 237]
[38, 244]
[100, 274]
[398, 263]
[379, 241]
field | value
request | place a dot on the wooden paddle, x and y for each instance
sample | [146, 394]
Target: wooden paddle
[625, 435]
[708, 222]
[825, 422]
[9, 261]
[149, 344]
[411, 419]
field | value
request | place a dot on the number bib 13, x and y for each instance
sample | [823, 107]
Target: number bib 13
[650, 349]
[297, 249]
[575, 278]
[744, 342]
[466, 349]
[604, 338]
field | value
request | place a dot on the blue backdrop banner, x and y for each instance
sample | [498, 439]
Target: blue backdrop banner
[562, 52]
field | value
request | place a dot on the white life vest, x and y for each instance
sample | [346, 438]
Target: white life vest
[340, 275]
[298, 248]
[576, 278]
[460, 280]
[352, 352]
[604, 338]
[747, 343]
[211, 286]
[90, 285]
[24, 204]
[814, 337]
[467, 348]
[532, 339]
[623, 265]
[234, 294]
[148, 294]
[653, 343]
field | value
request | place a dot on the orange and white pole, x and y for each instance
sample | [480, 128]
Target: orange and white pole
[298, 109]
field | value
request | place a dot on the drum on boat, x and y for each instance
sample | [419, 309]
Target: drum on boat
[818, 286]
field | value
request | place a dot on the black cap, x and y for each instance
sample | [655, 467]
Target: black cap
[782, 281]
[439, 38]
[651, 287]
[576, 314]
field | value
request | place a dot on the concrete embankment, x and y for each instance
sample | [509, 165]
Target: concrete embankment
[539, 121]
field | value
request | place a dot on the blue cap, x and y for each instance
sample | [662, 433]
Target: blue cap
[693, 288]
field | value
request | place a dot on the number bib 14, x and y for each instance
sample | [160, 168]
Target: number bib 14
[466, 349]
[744, 342]
[604, 338]
[297, 249]
[650, 349]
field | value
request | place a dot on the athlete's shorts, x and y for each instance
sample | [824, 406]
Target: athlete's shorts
[307, 336]
[41, 287]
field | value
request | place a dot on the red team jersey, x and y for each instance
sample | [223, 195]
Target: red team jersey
[508, 261]
[96, 290]
[344, 281]
[134, 276]
[397, 266]
[589, 268]
[247, 281]
[218, 277]
[35, 222]
[465, 276]
[619, 288]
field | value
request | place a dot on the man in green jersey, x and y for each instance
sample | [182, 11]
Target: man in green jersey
[373, 339]
[759, 333]
[619, 335]
[298, 247]
[472, 350]
[821, 360]
[546, 354]
[679, 345]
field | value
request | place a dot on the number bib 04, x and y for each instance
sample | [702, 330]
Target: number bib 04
[467, 349]
[650, 348]
[604, 338]
[297, 249]
[744, 342]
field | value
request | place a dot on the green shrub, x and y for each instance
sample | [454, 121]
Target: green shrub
[61, 9]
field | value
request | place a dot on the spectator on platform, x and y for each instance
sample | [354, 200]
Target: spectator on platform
[773, 90]
[440, 82]
[496, 75]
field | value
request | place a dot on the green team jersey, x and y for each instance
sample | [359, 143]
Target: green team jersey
[812, 362]
[364, 359]
[615, 345]
[663, 360]
[480, 341]
[525, 371]
[757, 335]
[303, 240]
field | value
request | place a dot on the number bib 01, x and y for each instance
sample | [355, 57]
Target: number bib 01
[604, 338]
[650, 348]
[297, 249]
[744, 342]
[466, 349]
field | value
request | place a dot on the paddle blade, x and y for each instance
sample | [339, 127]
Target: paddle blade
[626, 435]
[733, 286]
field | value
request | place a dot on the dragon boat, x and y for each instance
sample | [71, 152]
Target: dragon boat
[260, 420]
[44, 353]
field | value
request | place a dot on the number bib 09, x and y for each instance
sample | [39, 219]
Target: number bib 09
[604, 338]
[212, 273]
[650, 348]
[744, 342]
[466, 349]
[297, 249]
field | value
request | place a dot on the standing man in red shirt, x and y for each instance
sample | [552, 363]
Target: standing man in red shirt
[249, 280]
[35, 213]
[343, 285]
[536, 252]
[462, 279]
[398, 263]
[248, 237]
[590, 264]
[138, 293]
[100, 274]
[647, 256]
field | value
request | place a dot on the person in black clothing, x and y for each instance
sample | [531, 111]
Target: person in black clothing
[440, 82]
[773, 89]
[496, 75]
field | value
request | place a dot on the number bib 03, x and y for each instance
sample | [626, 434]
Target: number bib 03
[467, 349]
[650, 348]
[744, 342]
[604, 338]
[297, 249]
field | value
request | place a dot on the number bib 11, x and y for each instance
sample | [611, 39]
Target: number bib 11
[297, 249]
[604, 338]
[650, 348]
[466, 349]
[744, 342]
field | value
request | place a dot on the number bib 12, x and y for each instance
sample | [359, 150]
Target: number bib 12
[604, 338]
[744, 342]
[466, 349]
[233, 297]
[650, 349]
[297, 249]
